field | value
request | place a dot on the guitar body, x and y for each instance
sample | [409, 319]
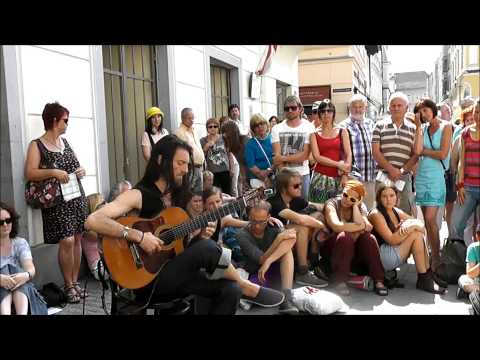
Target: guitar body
[120, 259]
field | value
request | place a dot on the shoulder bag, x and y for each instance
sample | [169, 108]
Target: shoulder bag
[46, 193]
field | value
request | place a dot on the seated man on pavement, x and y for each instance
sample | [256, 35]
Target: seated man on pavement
[287, 206]
[268, 253]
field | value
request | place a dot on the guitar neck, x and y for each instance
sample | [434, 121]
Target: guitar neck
[202, 221]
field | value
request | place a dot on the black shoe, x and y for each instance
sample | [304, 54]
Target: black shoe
[266, 298]
[461, 294]
[427, 283]
[439, 280]
[288, 308]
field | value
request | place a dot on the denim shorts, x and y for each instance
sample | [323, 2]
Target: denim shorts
[390, 257]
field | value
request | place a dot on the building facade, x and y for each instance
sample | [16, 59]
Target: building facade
[464, 73]
[413, 84]
[345, 70]
[107, 90]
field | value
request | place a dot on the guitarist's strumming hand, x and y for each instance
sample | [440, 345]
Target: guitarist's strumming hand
[150, 243]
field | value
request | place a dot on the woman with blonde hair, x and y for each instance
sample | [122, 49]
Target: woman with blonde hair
[352, 243]
[258, 153]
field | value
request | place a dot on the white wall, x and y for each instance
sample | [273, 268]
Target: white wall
[64, 74]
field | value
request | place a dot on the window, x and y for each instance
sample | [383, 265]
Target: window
[220, 84]
[129, 74]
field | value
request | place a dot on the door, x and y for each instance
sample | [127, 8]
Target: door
[129, 73]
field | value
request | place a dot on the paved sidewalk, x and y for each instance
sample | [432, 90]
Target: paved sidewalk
[403, 301]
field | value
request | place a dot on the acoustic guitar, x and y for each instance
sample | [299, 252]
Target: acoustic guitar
[133, 268]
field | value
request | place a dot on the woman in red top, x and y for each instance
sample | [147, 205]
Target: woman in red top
[331, 150]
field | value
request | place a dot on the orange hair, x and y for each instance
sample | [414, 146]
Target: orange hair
[356, 186]
[466, 111]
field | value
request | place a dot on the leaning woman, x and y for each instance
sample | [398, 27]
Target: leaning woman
[62, 223]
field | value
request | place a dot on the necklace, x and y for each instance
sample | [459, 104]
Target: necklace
[59, 148]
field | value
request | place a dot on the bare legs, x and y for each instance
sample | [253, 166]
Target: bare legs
[20, 301]
[430, 217]
[415, 245]
[69, 258]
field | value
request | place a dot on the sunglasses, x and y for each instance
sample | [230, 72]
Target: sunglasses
[296, 186]
[258, 222]
[290, 108]
[323, 111]
[213, 126]
[6, 221]
[352, 199]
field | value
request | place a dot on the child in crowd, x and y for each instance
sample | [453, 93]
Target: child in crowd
[470, 282]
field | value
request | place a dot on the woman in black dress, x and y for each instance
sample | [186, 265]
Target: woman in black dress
[62, 223]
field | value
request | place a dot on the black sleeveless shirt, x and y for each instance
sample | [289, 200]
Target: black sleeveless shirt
[152, 200]
[390, 225]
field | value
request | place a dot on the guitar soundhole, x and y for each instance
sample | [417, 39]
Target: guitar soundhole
[154, 262]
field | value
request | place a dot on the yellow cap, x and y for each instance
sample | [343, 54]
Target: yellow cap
[154, 111]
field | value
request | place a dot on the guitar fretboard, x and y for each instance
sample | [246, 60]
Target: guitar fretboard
[201, 221]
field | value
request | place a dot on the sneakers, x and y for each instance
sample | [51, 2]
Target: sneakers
[287, 307]
[266, 298]
[319, 273]
[309, 279]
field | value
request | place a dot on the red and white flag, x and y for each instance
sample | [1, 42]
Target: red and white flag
[266, 59]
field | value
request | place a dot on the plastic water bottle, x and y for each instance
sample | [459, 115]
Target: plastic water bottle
[361, 282]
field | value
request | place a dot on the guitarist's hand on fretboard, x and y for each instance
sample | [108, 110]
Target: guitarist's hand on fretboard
[207, 232]
[150, 243]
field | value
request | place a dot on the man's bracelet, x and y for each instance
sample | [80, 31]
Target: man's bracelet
[459, 186]
[143, 235]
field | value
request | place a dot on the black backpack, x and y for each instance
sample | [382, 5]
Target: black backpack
[53, 295]
[452, 261]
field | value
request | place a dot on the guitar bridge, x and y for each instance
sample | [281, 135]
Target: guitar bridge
[136, 256]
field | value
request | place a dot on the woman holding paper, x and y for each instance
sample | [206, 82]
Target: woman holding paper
[63, 223]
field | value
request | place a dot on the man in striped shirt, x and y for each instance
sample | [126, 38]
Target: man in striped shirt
[361, 131]
[392, 146]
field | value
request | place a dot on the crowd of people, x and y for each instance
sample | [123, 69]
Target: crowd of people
[345, 202]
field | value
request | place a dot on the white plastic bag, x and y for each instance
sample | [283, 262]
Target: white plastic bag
[317, 302]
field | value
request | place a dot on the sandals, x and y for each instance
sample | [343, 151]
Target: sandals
[80, 291]
[71, 294]
[381, 290]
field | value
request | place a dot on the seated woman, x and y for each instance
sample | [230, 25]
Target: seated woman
[228, 226]
[16, 269]
[352, 243]
[90, 240]
[398, 236]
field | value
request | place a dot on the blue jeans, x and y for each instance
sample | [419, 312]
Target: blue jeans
[461, 213]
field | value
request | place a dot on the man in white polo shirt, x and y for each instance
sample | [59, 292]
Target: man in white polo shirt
[291, 141]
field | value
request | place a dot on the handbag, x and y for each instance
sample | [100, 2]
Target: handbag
[449, 180]
[46, 193]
